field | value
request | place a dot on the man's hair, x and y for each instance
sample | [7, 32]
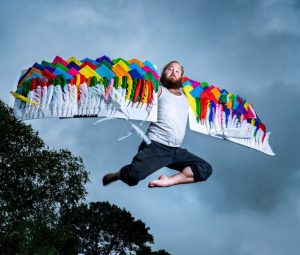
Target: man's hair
[163, 76]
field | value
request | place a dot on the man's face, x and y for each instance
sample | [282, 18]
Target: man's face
[173, 72]
[172, 76]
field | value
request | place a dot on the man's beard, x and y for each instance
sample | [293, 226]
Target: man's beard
[171, 83]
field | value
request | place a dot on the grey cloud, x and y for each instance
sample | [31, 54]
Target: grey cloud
[251, 48]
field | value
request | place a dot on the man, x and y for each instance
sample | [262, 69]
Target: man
[166, 136]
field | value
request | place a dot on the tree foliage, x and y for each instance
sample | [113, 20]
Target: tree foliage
[42, 202]
[107, 229]
[37, 186]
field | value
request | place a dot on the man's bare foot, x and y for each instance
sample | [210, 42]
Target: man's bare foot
[162, 181]
[109, 178]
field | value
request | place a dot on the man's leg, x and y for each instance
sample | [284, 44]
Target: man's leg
[111, 177]
[149, 159]
[183, 177]
[191, 167]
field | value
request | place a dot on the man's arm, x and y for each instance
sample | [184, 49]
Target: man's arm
[159, 91]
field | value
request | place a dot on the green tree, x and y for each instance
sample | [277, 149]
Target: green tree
[37, 186]
[107, 229]
[42, 202]
[146, 250]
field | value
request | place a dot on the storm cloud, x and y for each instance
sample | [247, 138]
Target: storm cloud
[250, 205]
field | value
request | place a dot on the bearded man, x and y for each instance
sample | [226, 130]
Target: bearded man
[166, 136]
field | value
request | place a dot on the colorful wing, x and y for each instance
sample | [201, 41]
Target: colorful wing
[224, 115]
[102, 87]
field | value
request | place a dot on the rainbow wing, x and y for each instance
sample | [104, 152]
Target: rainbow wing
[118, 88]
[224, 115]
[102, 87]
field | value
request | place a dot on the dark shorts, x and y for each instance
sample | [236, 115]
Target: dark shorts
[154, 156]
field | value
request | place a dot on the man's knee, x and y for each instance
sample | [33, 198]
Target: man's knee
[202, 171]
[207, 172]
[132, 180]
[129, 176]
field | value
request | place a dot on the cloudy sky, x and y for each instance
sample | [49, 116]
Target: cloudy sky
[250, 205]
